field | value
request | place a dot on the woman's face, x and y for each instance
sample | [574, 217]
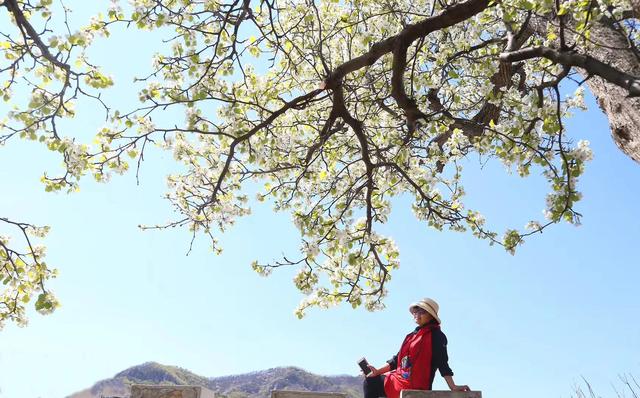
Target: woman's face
[421, 316]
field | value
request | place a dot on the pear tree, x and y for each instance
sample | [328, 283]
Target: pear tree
[333, 107]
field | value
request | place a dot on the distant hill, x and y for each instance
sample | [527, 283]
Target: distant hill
[255, 384]
[147, 373]
[260, 384]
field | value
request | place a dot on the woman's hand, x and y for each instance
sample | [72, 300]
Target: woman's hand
[377, 372]
[374, 372]
[453, 386]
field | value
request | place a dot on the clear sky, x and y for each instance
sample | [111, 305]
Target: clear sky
[531, 325]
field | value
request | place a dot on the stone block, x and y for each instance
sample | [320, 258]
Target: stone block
[439, 394]
[306, 394]
[153, 391]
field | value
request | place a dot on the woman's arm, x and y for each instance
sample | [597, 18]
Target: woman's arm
[452, 385]
[441, 361]
[389, 366]
[377, 372]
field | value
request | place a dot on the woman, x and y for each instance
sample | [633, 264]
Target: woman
[422, 352]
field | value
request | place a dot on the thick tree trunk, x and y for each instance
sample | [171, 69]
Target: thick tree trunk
[623, 112]
[635, 4]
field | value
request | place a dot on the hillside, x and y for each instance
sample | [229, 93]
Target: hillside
[260, 384]
[255, 384]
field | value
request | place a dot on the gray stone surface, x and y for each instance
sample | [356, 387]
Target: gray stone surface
[305, 394]
[150, 391]
[439, 394]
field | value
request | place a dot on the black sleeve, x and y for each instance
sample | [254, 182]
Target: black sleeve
[440, 359]
[393, 362]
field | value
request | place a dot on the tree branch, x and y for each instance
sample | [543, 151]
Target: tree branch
[408, 35]
[591, 65]
[21, 20]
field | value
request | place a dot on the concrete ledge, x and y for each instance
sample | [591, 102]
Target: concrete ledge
[439, 394]
[305, 394]
[154, 391]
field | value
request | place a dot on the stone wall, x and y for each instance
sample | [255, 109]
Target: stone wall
[439, 394]
[151, 391]
[305, 394]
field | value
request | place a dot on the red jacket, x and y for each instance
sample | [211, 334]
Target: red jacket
[422, 351]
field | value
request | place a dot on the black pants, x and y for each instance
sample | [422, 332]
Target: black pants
[373, 387]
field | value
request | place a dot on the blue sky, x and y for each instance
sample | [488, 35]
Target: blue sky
[564, 307]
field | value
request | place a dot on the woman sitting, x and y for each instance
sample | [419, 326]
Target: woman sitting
[422, 352]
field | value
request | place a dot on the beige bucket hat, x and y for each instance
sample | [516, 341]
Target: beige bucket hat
[428, 305]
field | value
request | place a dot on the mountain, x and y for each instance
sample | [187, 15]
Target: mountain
[147, 373]
[255, 384]
[260, 384]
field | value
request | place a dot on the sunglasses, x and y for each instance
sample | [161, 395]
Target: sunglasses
[418, 311]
